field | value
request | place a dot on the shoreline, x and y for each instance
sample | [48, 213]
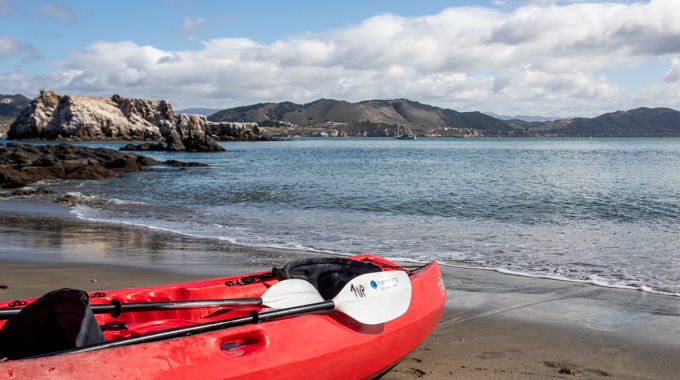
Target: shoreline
[494, 326]
[505, 272]
[44, 207]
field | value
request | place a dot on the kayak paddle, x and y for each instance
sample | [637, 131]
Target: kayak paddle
[371, 298]
[283, 294]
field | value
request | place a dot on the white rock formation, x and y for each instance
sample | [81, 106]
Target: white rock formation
[50, 116]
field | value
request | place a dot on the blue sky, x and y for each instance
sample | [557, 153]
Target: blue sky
[531, 57]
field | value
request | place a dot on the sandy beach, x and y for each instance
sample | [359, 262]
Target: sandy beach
[495, 326]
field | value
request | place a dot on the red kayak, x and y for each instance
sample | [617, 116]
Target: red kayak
[182, 331]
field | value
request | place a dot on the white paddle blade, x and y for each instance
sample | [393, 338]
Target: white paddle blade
[375, 298]
[291, 293]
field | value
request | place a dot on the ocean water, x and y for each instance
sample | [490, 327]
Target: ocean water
[602, 211]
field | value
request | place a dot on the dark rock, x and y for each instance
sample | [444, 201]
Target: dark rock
[10, 182]
[176, 163]
[146, 147]
[89, 172]
[148, 161]
[46, 161]
[174, 141]
[124, 164]
[22, 164]
[202, 143]
[197, 141]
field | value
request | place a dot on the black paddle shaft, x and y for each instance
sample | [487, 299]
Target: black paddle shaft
[178, 332]
[116, 307]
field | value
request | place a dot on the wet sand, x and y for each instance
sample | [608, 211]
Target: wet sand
[504, 327]
[495, 326]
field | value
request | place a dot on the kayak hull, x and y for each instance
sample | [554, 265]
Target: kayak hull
[326, 345]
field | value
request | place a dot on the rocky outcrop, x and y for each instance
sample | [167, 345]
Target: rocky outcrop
[235, 131]
[174, 141]
[195, 134]
[66, 117]
[22, 164]
[196, 140]
[201, 143]
[193, 143]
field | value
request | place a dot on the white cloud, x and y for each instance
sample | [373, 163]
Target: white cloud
[10, 47]
[194, 26]
[191, 25]
[665, 93]
[672, 76]
[58, 10]
[536, 59]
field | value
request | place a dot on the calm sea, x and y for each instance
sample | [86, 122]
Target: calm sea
[604, 211]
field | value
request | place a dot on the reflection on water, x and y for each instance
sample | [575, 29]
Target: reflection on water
[63, 238]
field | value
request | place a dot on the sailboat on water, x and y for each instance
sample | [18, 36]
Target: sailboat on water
[405, 136]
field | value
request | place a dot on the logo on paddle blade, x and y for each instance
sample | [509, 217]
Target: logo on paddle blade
[358, 291]
[385, 284]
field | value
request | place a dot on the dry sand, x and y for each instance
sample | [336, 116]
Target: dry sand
[495, 326]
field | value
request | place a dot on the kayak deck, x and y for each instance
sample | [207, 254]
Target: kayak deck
[326, 345]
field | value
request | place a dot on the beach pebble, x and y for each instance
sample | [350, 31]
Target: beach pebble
[568, 371]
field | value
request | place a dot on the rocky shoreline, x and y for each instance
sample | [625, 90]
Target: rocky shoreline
[85, 118]
[24, 164]
[175, 143]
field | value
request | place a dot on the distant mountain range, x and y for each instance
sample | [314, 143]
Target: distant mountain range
[367, 118]
[381, 117]
[389, 117]
[530, 119]
[640, 122]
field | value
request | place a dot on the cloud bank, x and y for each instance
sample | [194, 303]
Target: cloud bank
[59, 11]
[542, 58]
[11, 47]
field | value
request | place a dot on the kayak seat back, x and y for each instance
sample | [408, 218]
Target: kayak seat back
[328, 274]
[59, 320]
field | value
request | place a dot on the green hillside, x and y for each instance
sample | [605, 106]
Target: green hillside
[640, 122]
[367, 118]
